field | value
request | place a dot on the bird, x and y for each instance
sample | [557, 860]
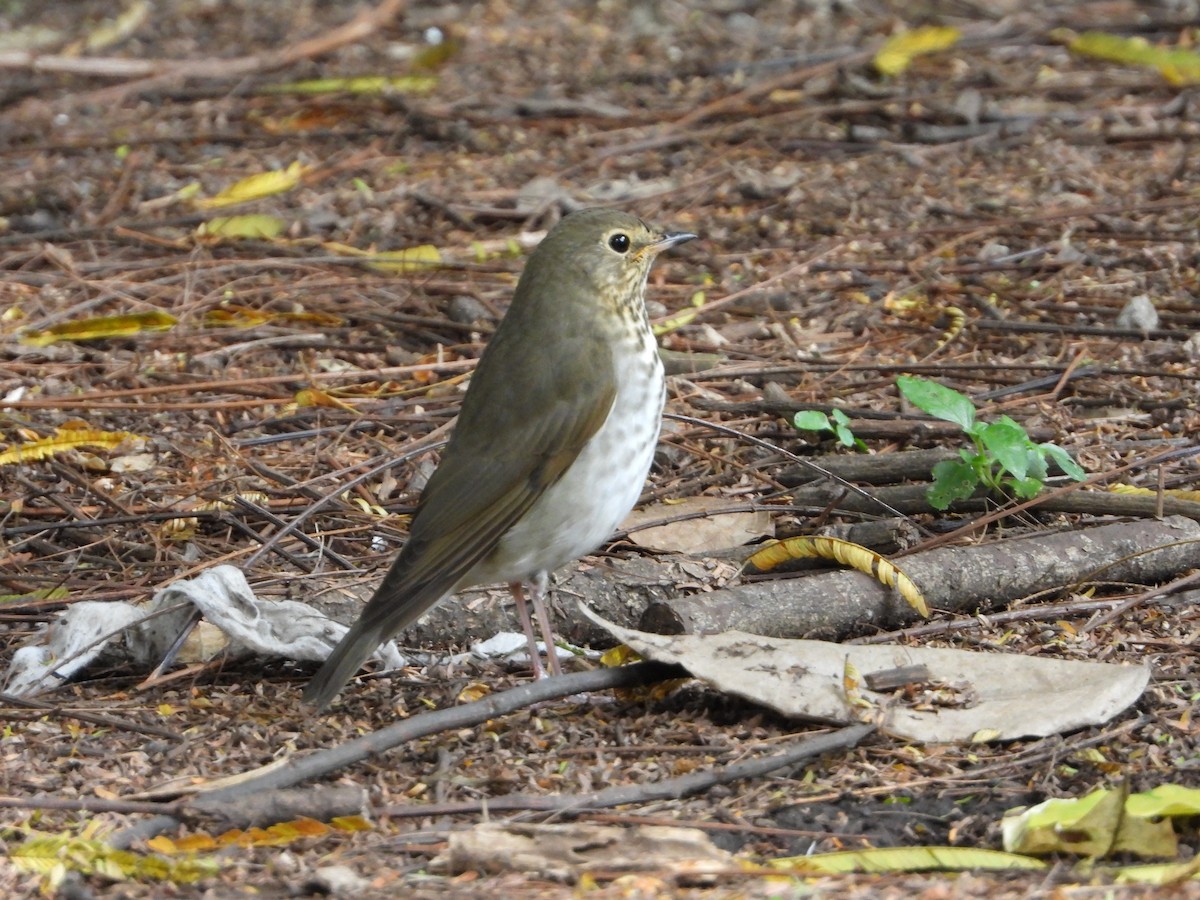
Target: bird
[551, 447]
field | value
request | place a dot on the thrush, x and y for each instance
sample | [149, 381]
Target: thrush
[551, 447]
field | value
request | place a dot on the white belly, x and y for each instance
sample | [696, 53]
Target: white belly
[583, 508]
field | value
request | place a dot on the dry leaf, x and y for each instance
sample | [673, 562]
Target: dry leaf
[101, 327]
[714, 530]
[1012, 695]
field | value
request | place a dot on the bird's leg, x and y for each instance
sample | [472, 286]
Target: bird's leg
[518, 592]
[537, 597]
[539, 585]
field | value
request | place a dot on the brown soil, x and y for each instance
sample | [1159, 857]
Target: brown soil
[1007, 184]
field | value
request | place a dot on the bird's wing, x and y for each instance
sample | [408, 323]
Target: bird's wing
[519, 430]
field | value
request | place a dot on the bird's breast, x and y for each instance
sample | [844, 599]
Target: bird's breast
[583, 508]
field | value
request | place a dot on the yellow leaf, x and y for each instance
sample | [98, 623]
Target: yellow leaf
[1177, 66]
[676, 321]
[57, 593]
[370, 509]
[898, 52]
[53, 856]
[236, 228]
[230, 316]
[162, 844]
[1103, 822]
[476, 690]
[195, 843]
[410, 259]
[114, 31]
[324, 320]
[62, 441]
[1165, 800]
[365, 84]
[1165, 874]
[306, 827]
[255, 187]
[350, 823]
[619, 655]
[406, 260]
[1194, 496]
[101, 327]
[855, 556]
[852, 686]
[313, 397]
[906, 859]
[278, 835]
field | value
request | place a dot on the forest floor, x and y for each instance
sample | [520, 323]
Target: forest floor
[989, 218]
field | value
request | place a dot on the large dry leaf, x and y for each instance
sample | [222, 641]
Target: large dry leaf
[961, 696]
[717, 529]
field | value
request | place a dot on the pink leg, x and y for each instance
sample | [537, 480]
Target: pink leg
[518, 592]
[539, 585]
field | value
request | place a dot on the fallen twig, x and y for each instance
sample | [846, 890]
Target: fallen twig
[316, 765]
[669, 789]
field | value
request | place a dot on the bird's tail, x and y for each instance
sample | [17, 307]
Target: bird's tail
[347, 658]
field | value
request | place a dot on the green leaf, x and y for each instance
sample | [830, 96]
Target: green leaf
[952, 480]
[937, 400]
[1037, 464]
[1064, 460]
[811, 420]
[1008, 444]
[845, 435]
[1025, 488]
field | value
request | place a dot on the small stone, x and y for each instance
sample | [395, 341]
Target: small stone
[466, 310]
[339, 881]
[1138, 313]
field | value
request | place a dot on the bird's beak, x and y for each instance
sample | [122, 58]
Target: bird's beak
[671, 238]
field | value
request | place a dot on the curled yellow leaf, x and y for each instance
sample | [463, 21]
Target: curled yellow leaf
[854, 556]
[62, 441]
[101, 327]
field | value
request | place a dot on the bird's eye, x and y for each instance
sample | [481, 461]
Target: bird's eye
[619, 242]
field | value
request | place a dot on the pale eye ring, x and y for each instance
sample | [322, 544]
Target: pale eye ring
[619, 242]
